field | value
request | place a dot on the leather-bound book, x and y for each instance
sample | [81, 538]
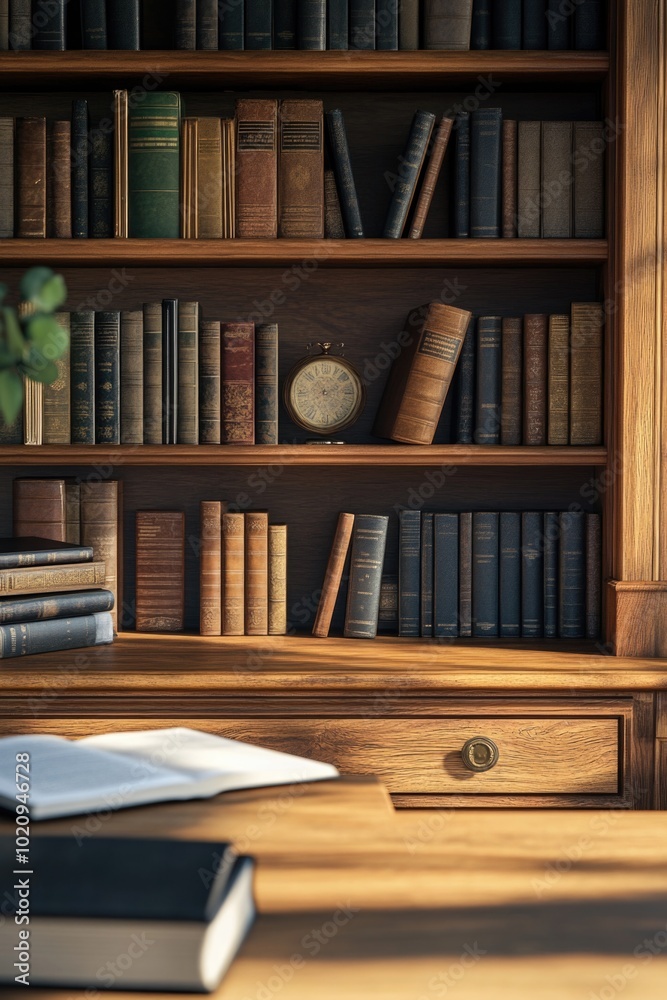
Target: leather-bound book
[132, 377]
[59, 180]
[120, 163]
[426, 592]
[210, 568]
[558, 381]
[39, 509]
[485, 172]
[410, 167]
[386, 25]
[258, 24]
[277, 579]
[285, 25]
[535, 379]
[33, 412]
[257, 168]
[266, 383]
[420, 377]
[73, 512]
[551, 538]
[409, 573]
[485, 574]
[510, 575]
[102, 528]
[209, 178]
[532, 575]
[169, 371]
[160, 558]
[31, 177]
[511, 387]
[572, 576]
[209, 381]
[388, 613]
[65, 633]
[445, 575]
[507, 24]
[233, 574]
[56, 402]
[301, 169]
[228, 126]
[593, 575]
[337, 25]
[447, 24]
[48, 18]
[207, 25]
[123, 20]
[333, 575]
[256, 573]
[587, 325]
[20, 25]
[152, 372]
[431, 174]
[362, 24]
[51, 579]
[489, 380]
[466, 376]
[333, 217]
[231, 28]
[481, 32]
[82, 376]
[80, 168]
[369, 539]
[187, 431]
[534, 34]
[94, 24]
[556, 164]
[6, 178]
[154, 166]
[509, 195]
[558, 26]
[190, 179]
[238, 383]
[342, 167]
[465, 574]
[461, 211]
[107, 377]
[529, 196]
[185, 25]
[408, 25]
[589, 25]
[589, 162]
[311, 24]
[101, 184]
[49, 606]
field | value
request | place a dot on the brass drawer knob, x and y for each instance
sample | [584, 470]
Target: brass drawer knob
[479, 754]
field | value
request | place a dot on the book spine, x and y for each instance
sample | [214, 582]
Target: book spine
[362, 24]
[32, 609]
[312, 24]
[301, 169]
[256, 573]
[132, 377]
[277, 579]
[551, 537]
[462, 177]
[123, 25]
[482, 24]
[529, 160]
[593, 575]
[511, 390]
[509, 195]
[209, 382]
[386, 25]
[485, 172]
[94, 24]
[447, 24]
[510, 575]
[588, 159]
[535, 379]
[431, 174]
[80, 164]
[39, 509]
[73, 512]
[154, 166]
[82, 374]
[13, 433]
[534, 35]
[489, 380]
[465, 574]
[285, 25]
[56, 401]
[388, 613]
[408, 25]
[337, 25]
[410, 167]
[333, 575]
[266, 383]
[587, 324]
[102, 529]
[101, 184]
[48, 19]
[257, 168]
[228, 178]
[210, 568]
[169, 371]
[588, 25]
[532, 575]
[209, 178]
[465, 397]
[107, 377]
[238, 383]
[121, 164]
[409, 575]
[207, 25]
[185, 25]
[369, 539]
[33, 412]
[258, 24]
[45, 557]
[445, 575]
[51, 579]
[152, 373]
[507, 24]
[20, 25]
[188, 373]
[342, 166]
[160, 573]
[557, 180]
[485, 574]
[59, 186]
[426, 576]
[7, 178]
[558, 381]
[233, 574]
[572, 576]
[333, 217]
[231, 29]
[558, 26]
[49, 636]
[31, 177]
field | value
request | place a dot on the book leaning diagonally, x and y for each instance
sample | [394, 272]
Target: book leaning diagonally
[118, 770]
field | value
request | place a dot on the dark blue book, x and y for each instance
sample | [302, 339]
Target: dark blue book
[532, 575]
[486, 127]
[342, 167]
[551, 538]
[258, 24]
[409, 572]
[107, 377]
[446, 575]
[48, 18]
[510, 574]
[482, 23]
[461, 213]
[266, 383]
[386, 25]
[465, 573]
[80, 157]
[25, 639]
[489, 380]
[409, 168]
[285, 24]
[362, 24]
[427, 576]
[534, 24]
[169, 371]
[82, 376]
[28, 551]
[485, 574]
[231, 28]
[465, 387]
[572, 566]
[369, 539]
[101, 184]
[94, 24]
[337, 25]
[558, 26]
[20, 25]
[41, 607]
[507, 24]
[123, 25]
[589, 25]
[312, 24]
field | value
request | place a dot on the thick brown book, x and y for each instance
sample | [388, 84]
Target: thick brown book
[59, 180]
[509, 192]
[39, 508]
[51, 579]
[535, 379]
[188, 373]
[257, 168]
[33, 412]
[209, 381]
[333, 217]
[152, 372]
[333, 575]
[56, 397]
[557, 179]
[277, 579]
[558, 384]
[210, 568]
[529, 175]
[238, 383]
[31, 177]
[209, 178]
[132, 377]
[511, 388]
[72, 511]
[587, 325]
[301, 169]
[589, 162]
[256, 573]
[120, 156]
[421, 375]
[102, 527]
[160, 558]
[593, 575]
[431, 174]
[7, 175]
[233, 574]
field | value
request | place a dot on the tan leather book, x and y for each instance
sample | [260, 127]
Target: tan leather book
[233, 574]
[589, 167]
[529, 200]
[39, 508]
[301, 169]
[420, 377]
[33, 412]
[277, 579]
[188, 373]
[333, 575]
[209, 178]
[333, 217]
[59, 182]
[31, 177]
[558, 381]
[102, 527]
[160, 559]
[7, 173]
[72, 511]
[56, 397]
[431, 174]
[132, 377]
[257, 168]
[556, 180]
[587, 325]
[228, 127]
[535, 379]
[509, 192]
[511, 387]
[120, 155]
[51, 579]
[256, 573]
[210, 567]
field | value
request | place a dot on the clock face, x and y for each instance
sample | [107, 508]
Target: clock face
[324, 395]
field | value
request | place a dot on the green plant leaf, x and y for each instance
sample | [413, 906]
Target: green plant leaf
[47, 336]
[11, 395]
[39, 370]
[33, 281]
[51, 295]
[14, 339]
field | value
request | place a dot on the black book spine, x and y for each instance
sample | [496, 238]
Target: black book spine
[446, 575]
[169, 371]
[266, 383]
[20, 25]
[48, 17]
[258, 24]
[409, 554]
[123, 25]
[94, 24]
[532, 575]
[489, 380]
[485, 576]
[408, 174]
[44, 557]
[337, 25]
[572, 566]
[507, 24]
[49, 636]
[231, 26]
[369, 539]
[36, 608]
[80, 156]
[185, 25]
[485, 172]
[386, 25]
[285, 25]
[551, 536]
[462, 176]
[510, 574]
[107, 377]
[558, 26]
[465, 387]
[593, 575]
[207, 25]
[312, 24]
[342, 166]
[362, 24]
[101, 184]
[82, 376]
[481, 33]
[588, 25]
[534, 24]
[426, 600]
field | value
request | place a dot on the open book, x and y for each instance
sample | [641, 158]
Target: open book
[118, 770]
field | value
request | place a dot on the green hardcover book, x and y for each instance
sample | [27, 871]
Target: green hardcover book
[154, 166]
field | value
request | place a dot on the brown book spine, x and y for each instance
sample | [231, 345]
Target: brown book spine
[51, 579]
[465, 574]
[188, 373]
[132, 377]
[73, 511]
[238, 383]
[589, 162]
[333, 575]
[210, 568]
[529, 201]
[160, 556]
[102, 527]
[277, 579]
[333, 217]
[153, 373]
[511, 389]
[59, 182]
[209, 382]
[39, 508]
[257, 168]
[593, 575]
[233, 574]
[7, 174]
[189, 217]
[420, 377]
[228, 178]
[431, 174]
[301, 169]
[558, 388]
[33, 418]
[31, 177]
[535, 379]
[209, 178]
[256, 573]
[587, 324]
[509, 193]
[57, 427]
[120, 148]
[557, 179]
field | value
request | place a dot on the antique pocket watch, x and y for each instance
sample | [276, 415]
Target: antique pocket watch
[324, 393]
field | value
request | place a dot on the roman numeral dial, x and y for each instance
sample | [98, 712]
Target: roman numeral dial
[324, 394]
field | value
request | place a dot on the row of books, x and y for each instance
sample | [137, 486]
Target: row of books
[538, 24]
